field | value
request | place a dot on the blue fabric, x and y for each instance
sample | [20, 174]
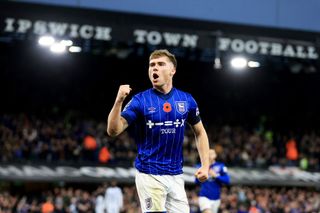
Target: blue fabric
[159, 131]
[212, 187]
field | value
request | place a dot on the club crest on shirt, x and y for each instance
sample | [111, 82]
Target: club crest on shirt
[148, 202]
[181, 107]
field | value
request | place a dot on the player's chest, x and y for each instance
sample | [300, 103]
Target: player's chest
[166, 111]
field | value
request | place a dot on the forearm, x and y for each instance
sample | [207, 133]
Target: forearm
[203, 149]
[115, 126]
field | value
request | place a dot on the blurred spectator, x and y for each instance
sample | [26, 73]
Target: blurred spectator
[292, 152]
[233, 199]
[72, 139]
[113, 198]
[104, 155]
[48, 206]
[84, 204]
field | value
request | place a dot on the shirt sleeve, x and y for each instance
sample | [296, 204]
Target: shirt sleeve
[194, 114]
[131, 111]
[224, 176]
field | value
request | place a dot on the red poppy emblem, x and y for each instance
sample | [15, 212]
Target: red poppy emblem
[167, 107]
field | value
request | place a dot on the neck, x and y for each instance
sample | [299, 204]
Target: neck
[164, 89]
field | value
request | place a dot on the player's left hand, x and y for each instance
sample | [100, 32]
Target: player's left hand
[202, 174]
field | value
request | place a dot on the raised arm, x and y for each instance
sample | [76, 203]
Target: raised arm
[116, 123]
[203, 150]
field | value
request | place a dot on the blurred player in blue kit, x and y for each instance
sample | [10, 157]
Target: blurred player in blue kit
[159, 116]
[209, 195]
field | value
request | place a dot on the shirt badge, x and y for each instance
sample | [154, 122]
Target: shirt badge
[181, 107]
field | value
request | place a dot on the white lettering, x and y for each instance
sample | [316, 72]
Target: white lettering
[312, 53]
[224, 44]
[267, 48]
[251, 47]
[237, 45]
[154, 38]
[276, 49]
[40, 28]
[172, 39]
[190, 40]
[57, 29]
[301, 52]
[74, 31]
[86, 31]
[168, 131]
[168, 123]
[103, 33]
[24, 25]
[176, 123]
[141, 34]
[289, 51]
[150, 124]
[264, 47]
[9, 25]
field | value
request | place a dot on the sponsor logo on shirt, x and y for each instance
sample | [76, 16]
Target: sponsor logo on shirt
[152, 109]
[197, 111]
[174, 124]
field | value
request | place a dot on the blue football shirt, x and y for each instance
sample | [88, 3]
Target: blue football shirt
[212, 187]
[159, 121]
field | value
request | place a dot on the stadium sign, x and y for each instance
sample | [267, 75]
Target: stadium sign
[20, 21]
[168, 38]
[238, 45]
[273, 176]
[61, 29]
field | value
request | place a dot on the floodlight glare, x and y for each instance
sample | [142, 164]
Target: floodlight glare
[239, 63]
[75, 49]
[66, 43]
[46, 40]
[253, 64]
[57, 48]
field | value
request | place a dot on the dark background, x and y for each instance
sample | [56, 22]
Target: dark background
[33, 80]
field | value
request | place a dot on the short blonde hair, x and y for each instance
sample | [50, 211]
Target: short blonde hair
[164, 52]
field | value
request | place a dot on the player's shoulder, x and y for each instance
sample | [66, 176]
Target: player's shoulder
[218, 163]
[184, 93]
[142, 94]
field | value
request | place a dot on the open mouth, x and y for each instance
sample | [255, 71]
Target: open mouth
[155, 76]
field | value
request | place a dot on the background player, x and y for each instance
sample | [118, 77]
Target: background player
[209, 195]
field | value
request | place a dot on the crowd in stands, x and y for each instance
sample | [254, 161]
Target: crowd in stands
[235, 199]
[69, 138]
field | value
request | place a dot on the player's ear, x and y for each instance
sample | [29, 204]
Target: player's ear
[173, 71]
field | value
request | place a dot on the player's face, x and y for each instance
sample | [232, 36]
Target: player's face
[161, 71]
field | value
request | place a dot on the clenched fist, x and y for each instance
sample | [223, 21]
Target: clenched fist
[202, 174]
[123, 92]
